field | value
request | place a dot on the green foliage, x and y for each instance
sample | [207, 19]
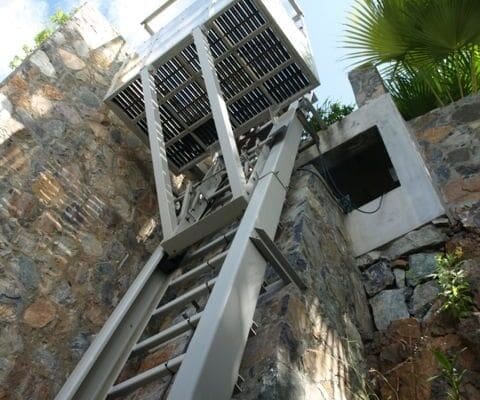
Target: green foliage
[41, 36]
[328, 113]
[450, 373]
[454, 286]
[428, 50]
[15, 62]
[56, 20]
[60, 18]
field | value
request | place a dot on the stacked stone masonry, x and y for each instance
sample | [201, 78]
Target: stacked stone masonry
[409, 323]
[406, 309]
[449, 138]
[78, 217]
[310, 345]
[77, 204]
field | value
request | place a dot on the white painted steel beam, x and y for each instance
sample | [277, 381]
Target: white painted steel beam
[159, 156]
[220, 115]
[210, 367]
[277, 260]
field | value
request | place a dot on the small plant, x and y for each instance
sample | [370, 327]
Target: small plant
[454, 286]
[328, 113]
[450, 373]
[60, 18]
[56, 20]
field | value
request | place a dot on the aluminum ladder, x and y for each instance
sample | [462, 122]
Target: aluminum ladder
[212, 291]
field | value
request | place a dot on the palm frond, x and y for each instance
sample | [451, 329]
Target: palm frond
[426, 49]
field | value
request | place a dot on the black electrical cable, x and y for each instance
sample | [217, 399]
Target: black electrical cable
[329, 176]
[374, 211]
[342, 195]
[335, 197]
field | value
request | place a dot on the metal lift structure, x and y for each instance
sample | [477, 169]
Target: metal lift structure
[222, 85]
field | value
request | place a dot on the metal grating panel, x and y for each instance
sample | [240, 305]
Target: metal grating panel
[257, 70]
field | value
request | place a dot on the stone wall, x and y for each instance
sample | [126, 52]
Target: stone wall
[404, 298]
[77, 203]
[449, 138]
[406, 306]
[309, 345]
[367, 84]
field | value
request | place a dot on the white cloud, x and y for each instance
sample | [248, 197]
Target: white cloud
[20, 21]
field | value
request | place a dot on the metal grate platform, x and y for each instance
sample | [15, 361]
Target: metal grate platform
[258, 69]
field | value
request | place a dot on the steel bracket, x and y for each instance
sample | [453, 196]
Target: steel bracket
[269, 250]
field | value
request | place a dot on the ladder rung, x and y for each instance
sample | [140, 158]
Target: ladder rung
[194, 272]
[146, 377]
[223, 238]
[167, 334]
[185, 298]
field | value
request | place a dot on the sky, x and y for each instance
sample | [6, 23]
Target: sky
[21, 20]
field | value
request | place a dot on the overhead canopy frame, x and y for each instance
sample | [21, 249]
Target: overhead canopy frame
[262, 59]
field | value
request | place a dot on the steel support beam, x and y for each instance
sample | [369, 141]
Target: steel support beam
[99, 367]
[159, 156]
[220, 115]
[277, 260]
[210, 367]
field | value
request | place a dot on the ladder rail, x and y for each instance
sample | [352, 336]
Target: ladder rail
[210, 366]
[99, 367]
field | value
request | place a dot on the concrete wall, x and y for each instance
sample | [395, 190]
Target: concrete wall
[76, 204]
[414, 203]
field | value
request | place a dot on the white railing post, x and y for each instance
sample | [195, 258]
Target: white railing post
[223, 125]
[159, 156]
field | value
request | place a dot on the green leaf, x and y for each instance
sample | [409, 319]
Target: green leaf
[442, 360]
[428, 51]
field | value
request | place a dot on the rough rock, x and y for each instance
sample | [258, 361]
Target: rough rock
[27, 272]
[41, 60]
[436, 134]
[469, 329]
[21, 204]
[472, 273]
[399, 277]
[463, 190]
[40, 105]
[51, 92]
[54, 229]
[89, 98]
[377, 277]
[7, 313]
[429, 236]
[91, 245]
[421, 267]
[423, 297]
[71, 60]
[388, 306]
[40, 313]
[469, 215]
